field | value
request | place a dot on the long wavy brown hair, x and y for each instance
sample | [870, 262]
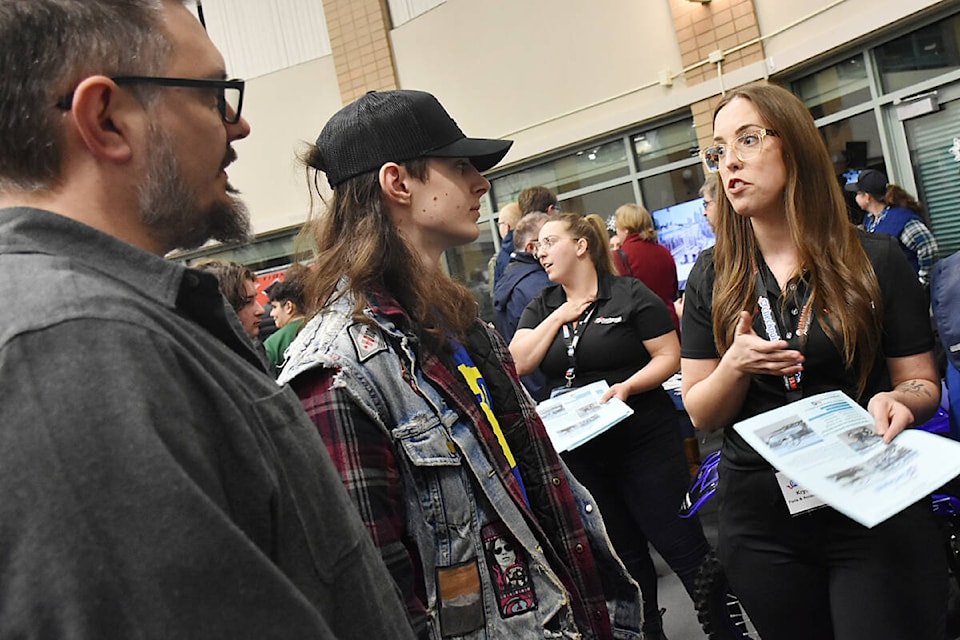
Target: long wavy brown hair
[353, 236]
[832, 260]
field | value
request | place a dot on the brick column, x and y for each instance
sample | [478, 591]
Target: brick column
[360, 40]
[720, 25]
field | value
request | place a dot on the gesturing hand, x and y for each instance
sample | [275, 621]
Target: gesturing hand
[751, 354]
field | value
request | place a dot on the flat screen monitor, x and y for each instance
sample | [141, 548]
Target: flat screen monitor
[683, 229]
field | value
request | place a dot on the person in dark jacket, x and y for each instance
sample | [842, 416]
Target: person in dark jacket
[523, 279]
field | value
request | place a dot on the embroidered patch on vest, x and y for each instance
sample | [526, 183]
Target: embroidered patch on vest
[461, 601]
[366, 340]
[509, 571]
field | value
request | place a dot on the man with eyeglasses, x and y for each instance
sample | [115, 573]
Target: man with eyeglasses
[156, 483]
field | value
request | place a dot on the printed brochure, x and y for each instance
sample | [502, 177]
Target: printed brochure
[827, 445]
[577, 416]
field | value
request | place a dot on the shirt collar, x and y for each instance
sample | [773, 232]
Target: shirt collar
[554, 297]
[28, 230]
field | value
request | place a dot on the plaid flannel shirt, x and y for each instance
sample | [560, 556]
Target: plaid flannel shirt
[366, 458]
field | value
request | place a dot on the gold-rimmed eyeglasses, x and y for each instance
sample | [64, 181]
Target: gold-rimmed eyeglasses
[546, 243]
[745, 146]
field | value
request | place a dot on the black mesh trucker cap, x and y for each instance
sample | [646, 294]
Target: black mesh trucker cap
[396, 126]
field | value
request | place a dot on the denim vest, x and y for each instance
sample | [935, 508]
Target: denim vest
[452, 491]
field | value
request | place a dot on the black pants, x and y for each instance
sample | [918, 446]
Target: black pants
[819, 575]
[638, 474]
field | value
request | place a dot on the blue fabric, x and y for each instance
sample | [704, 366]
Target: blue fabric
[892, 222]
[522, 281]
[945, 299]
[503, 258]
[475, 381]
[953, 393]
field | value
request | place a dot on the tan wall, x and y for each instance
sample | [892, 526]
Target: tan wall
[501, 65]
[840, 23]
[546, 73]
[285, 109]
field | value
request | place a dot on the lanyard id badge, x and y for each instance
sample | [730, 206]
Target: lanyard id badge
[791, 383]
[571, 337]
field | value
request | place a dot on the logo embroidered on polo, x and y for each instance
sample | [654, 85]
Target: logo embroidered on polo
[366, 340]
[612, 320]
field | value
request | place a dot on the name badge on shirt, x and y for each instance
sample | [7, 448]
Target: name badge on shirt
[798, 499]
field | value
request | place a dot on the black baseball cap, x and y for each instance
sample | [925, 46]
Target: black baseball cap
[396, 126]
[869, 181]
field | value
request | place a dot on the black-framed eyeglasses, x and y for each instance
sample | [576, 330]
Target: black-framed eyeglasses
[745, 146]
[229, 92]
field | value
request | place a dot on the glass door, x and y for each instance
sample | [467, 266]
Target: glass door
[936, 171]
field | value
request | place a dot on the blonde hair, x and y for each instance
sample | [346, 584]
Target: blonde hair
[635, 219]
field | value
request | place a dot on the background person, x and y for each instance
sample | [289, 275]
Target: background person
[523, 279]
[619, 331]
[156, 483]
[538, 198]
[853, 318]
[647, 260]
[239, 287]
[288, 314]
[423, 415]
[507, 221]
[891, 210]
[708, 191]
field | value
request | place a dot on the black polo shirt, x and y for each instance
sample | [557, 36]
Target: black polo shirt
[906, 332]
[611, 345]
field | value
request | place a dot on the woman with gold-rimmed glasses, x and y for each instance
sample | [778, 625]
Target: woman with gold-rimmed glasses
[841, 310]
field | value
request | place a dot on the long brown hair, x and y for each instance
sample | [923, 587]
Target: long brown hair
[831, 258]
[354, 237]
[896, 196]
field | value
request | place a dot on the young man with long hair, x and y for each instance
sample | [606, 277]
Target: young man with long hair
[419, 402]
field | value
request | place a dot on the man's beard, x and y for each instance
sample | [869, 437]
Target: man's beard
[171, 211]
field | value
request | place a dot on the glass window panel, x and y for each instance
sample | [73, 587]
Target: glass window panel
[588, 166]
[929, 139]
[835, 88]
[603, 202]
[854, 144]
[923, 54]
[665, 144]
[667, 189]
[469, 265]
[259, 255]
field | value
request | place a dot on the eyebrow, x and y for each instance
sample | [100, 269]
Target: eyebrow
[741, 130]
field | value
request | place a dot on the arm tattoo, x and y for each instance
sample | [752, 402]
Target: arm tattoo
[914, 387]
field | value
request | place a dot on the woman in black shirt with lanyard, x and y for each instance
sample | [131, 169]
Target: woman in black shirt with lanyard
[794, 301]
[593, 325]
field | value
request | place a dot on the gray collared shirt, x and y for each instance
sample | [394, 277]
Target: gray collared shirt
[156, 482]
